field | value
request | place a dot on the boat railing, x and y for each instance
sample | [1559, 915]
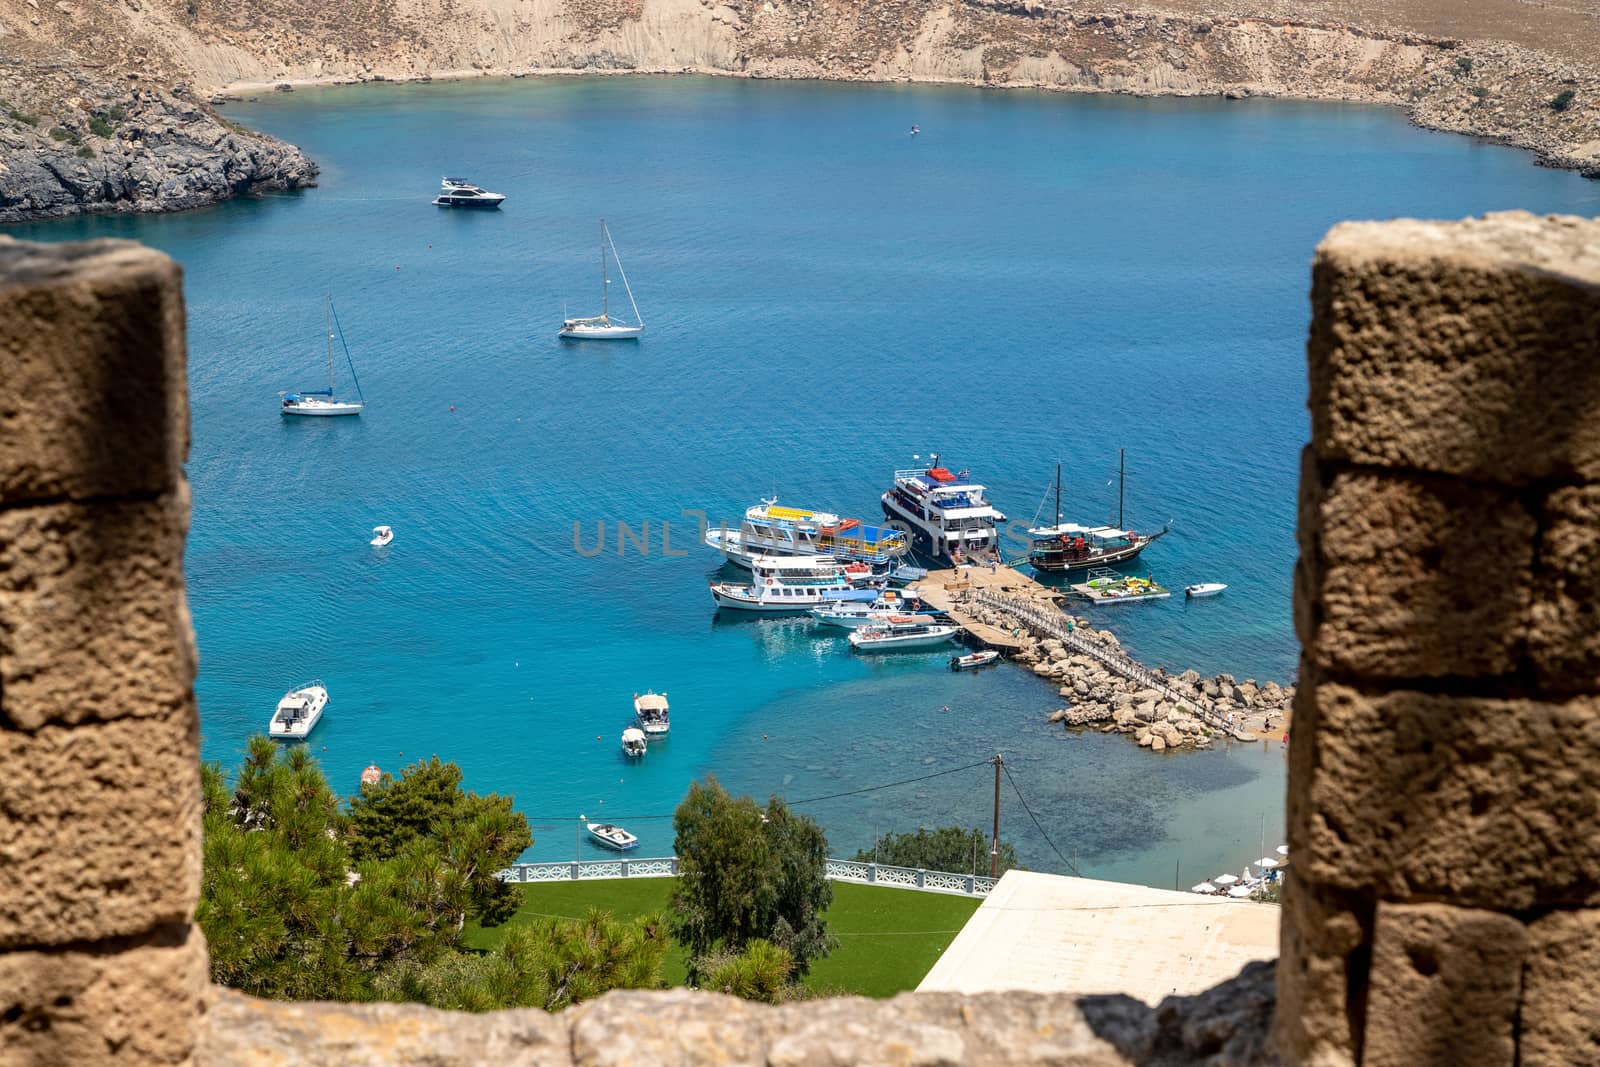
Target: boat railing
[856, 871]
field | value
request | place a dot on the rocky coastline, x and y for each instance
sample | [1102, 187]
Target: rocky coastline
[73, 143]
[1177, 711]
[180, 54]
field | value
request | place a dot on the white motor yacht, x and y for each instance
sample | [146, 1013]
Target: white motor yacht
[901, 633]
[454, 192]
[298, 712]
[1204, 589]
[612, 836]
[652, 714]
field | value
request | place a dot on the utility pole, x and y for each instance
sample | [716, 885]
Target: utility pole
[994, 853]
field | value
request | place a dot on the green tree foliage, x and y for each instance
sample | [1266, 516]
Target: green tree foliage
[948, 848]
[747, 874]
[476, 835]
[1562, 100]
[547, 964]
[761, 972]
[296, 903]
[1463, 66]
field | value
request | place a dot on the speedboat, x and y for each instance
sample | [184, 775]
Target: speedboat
[783, 585]
[634, 742]
[381, 535]
[454, 192]
[653, 717]
[1204, 589]
[974, 661]
[298, 711]
[864, 607]
[900, 633]
[612, 836]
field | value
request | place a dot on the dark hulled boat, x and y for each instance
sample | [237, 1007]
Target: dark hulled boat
[1068, 546]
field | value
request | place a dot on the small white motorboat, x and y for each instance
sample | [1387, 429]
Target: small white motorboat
[381, 535]
[298, 711]
[974, 661]
[1204, 589]
[655, 719]
[897, 636]
[634, 742]
[612, 836]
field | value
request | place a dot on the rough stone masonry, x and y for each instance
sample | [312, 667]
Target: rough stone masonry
[1443, 790]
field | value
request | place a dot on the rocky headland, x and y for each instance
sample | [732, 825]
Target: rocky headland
[1528, 81]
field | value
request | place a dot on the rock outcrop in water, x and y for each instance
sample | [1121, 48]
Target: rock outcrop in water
[71, 142]
[1541, 91]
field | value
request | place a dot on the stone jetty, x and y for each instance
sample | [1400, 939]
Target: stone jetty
[1101, 686]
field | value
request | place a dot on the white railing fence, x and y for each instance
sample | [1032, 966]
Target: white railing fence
[970, 885]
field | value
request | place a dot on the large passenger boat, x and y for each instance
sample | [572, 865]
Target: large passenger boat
[783, 585]
[771, 530]
[947, 514]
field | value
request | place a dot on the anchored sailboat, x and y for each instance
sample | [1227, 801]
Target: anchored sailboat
[1067, 546]
[322, 401]
[600, 327]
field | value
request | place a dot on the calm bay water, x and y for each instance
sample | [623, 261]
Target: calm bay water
[1035, 278]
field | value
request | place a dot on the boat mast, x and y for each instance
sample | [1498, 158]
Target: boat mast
[1122, 469]
[329, 330]
[1058, 498]
[605, 283]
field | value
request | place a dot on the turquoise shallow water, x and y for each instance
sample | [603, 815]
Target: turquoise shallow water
[1034, 278]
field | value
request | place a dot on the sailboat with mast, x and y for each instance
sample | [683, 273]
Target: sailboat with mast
[1067, 546]
[314, 402]
[600, 327]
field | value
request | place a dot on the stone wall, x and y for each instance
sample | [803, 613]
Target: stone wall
[1443, 793]
[99, 765]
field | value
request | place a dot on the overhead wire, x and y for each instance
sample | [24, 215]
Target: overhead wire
[1068, 863]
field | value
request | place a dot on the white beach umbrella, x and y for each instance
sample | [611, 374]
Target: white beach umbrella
[1266, 863]
[1240, 891]
[1225, 879]
[1203, 887]
[1283, 850]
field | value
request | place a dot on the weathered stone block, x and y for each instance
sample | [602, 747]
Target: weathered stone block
[132, 1002]
[1560, 1020]
[92, 617]
[102, 829]
[1322, 974]
[1469, 348]
[1444, 988]
[92, 356]
[1479, 800]
[1564, 637]
[1404, 577]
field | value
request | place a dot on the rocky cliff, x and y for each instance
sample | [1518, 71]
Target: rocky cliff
[74, 141]
[1531, 82]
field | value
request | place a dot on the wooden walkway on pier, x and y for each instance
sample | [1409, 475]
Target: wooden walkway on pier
[939, 589]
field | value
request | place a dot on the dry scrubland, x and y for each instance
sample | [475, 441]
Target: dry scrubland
[1491, 68]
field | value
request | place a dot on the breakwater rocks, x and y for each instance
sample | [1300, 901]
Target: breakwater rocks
[73, 143]
[1106, 689]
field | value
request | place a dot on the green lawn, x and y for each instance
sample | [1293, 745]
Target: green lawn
[889, 938]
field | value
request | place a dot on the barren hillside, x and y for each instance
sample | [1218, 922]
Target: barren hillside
[1522, 72]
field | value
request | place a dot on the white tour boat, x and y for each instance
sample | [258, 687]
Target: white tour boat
[900, 633]
[783, 584]
[862, 607]
[1204, 589]
[974, 661]
[600, 327]
[322, 402]
[381, 535]
[298, 711]
[611, 835]
[634, 742]
[655, 720]
[453, 192]
[771, 530]
[949, 518]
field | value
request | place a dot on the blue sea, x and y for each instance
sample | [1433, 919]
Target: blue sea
[1034, 279]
